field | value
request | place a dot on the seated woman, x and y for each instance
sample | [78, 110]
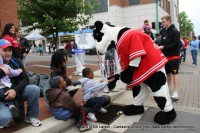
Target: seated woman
[58, 68]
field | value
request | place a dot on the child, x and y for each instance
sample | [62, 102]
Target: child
[90, 87]
[62, 104]
[146, 26]
[5, 82]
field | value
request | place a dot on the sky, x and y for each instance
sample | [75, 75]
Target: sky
[192, 9]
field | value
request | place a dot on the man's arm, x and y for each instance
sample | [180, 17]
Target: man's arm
[27, 46]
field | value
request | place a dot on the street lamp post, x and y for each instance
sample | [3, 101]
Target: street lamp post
[157, 19]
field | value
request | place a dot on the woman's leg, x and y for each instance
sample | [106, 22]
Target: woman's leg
[184, 54]
[192, 53]
[195, 57]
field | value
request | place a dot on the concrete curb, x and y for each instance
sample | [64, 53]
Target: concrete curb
[49, 125]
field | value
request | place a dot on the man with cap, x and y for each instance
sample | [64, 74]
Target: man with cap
[19, 92]
[5, 82]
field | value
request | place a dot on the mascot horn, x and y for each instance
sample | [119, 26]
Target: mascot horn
[142, 65]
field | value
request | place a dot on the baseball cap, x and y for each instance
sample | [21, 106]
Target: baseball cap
[4, 43]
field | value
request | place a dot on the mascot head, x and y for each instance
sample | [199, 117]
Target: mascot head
[105, 36]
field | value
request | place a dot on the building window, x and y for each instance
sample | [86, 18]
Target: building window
[168, 6]
[161, 3]
[103, 7]
[134, 2]
[175, 12]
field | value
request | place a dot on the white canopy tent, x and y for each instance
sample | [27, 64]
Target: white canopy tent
[38, 38]
[35, 35]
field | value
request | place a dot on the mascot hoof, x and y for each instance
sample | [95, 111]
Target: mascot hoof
[165, 117]
[133, 110]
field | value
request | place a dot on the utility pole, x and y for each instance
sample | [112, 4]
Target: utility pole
[157, 19]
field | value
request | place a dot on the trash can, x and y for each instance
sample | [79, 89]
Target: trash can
[79, 60]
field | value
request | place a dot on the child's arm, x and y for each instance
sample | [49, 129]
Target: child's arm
[99, 86]
[14, 72]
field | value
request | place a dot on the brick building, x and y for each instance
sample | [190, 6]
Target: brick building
[131, 13]
[8, 13]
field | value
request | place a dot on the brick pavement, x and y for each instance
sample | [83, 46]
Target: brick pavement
[189, 84]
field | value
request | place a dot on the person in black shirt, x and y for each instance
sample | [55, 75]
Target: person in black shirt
[170, 46]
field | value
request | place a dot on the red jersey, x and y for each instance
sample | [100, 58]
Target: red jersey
[12, 40]
[133, 44]
[185, 43]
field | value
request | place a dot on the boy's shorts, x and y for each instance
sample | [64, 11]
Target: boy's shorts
[172, 66]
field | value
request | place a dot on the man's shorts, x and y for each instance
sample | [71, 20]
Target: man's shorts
[172, 66]
[110, 66]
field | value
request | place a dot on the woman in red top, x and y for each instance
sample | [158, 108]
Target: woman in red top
[9, 34]
[184, 48]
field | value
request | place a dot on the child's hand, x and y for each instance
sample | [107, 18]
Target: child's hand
[96, 94]
[84, 102]
[20, 70]
[111, 80]
[70, 77]
[101, 81]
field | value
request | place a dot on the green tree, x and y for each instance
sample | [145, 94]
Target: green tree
[185, 24]
[53, 16]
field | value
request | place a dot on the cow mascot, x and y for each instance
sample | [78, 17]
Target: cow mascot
[142, 64]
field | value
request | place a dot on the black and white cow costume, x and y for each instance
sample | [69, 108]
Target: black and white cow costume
[142, 66]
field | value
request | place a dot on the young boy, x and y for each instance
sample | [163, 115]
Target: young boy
[90, 88]
[62, 104]
[5, 82]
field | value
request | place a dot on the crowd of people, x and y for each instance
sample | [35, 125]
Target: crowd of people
[61, 88]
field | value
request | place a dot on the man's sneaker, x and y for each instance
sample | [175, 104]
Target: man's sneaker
[92, 117]
[5, 126]
[193, 65]
[103, 110]
[106, 90]
[33, 121]
[14, 111]
[175, 95]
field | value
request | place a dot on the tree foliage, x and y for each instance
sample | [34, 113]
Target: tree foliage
[186, 24]
[53, 16]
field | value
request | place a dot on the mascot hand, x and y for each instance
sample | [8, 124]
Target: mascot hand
[112, 84]
[127, 74]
